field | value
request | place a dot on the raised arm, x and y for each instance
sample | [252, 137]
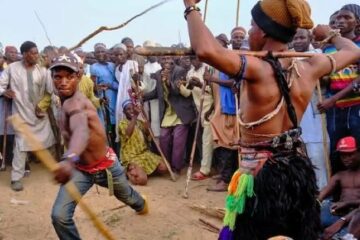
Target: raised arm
[347, 53]
[211, 52]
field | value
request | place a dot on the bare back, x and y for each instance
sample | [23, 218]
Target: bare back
[262, 96]
[96, 143]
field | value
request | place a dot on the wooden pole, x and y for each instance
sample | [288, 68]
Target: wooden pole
[47, 159]
[237, 13]
[237, 126]
[168, 51]
[104, 28]
[192, 155]
[324, 134]
[205, 11]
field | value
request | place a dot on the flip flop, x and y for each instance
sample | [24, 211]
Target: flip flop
[198, 176]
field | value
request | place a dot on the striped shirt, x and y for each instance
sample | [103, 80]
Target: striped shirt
[344, 77]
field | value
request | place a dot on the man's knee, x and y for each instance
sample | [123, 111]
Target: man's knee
[59, 216]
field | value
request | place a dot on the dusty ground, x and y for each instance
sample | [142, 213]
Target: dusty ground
[169, 218]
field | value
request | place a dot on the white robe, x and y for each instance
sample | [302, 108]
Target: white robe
[15, 76]
[124, 79]
[153, 105]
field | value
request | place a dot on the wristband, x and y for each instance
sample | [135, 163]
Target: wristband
[343, 219]
[190, 9]
[72, 157]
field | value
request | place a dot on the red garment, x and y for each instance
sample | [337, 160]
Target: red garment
[102, 164]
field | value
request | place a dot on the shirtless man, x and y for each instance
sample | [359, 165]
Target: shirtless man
[88, 159]
[276, 196]
[334, 215]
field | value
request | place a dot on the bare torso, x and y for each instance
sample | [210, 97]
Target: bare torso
[350, 186]
[96, 145]
[262, 96]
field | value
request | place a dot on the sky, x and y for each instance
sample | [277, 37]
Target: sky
[69, 21]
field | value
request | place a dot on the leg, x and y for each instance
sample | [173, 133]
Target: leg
[207, 150]
[179, 144]
[166, 142]
[18, 168]
[122, 190]
[64, 207]
[327, 219]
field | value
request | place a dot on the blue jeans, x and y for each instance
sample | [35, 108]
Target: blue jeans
[342, 122]
[327, 219]
[64, 206]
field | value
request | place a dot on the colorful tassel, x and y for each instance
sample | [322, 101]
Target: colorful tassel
[241, 187]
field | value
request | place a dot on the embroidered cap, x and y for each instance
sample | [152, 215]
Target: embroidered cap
[346, 144]
[66, 60]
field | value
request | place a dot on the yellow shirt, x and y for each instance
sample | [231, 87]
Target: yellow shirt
[170, 119]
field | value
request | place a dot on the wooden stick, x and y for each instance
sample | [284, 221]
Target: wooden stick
[6, 113]
[172, 175]
[205, 11]
[237, 126]
[104, 28]
[168, 51]
[237, 13]
[47, 159]
[210, 225]
[324, 133]
[218, 213]
[152, 135]
[192, 155]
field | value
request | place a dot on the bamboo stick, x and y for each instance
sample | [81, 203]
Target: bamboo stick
[47, 159]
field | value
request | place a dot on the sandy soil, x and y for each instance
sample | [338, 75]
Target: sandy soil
[169, 218]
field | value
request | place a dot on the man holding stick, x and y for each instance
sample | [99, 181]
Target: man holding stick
[87, 160]
[274, 190]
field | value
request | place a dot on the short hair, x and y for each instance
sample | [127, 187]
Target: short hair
[127, 40]
[26, 46]
[354, 8]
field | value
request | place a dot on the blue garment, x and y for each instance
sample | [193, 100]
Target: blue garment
[227, 98]
[327, 219]
[64, 206]
[105, 74]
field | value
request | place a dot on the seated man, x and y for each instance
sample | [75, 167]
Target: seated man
[135, 154]
[336, 216]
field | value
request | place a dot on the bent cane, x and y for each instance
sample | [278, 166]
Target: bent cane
[189, 171]
[47, 159]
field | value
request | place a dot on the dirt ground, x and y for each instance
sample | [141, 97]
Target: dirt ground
[170, 216]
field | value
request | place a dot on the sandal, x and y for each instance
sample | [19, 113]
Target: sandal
[198, 176]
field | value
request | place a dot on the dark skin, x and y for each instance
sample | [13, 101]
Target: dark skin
[101, 57]
[2, 61]
[349, 183]
[260, 92]
[332, 21]
[237, 39]
[135, 173]
[83, 132]
[11, 55]
[346, 21]
[130, 48]
[30, 59]
[302, 40]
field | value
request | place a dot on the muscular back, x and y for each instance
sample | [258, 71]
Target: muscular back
[261, 95]
[82, 129]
